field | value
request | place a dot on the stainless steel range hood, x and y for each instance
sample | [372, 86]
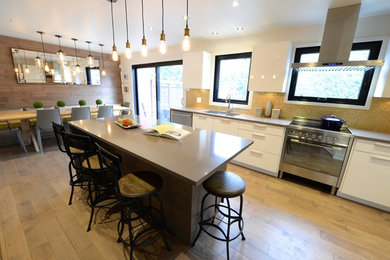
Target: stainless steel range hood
[337, 40]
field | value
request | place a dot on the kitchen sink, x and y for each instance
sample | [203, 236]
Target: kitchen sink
[222, 113]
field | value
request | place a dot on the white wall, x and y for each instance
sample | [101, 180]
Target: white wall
[367, 28]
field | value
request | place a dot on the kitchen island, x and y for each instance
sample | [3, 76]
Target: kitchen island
[183, 164]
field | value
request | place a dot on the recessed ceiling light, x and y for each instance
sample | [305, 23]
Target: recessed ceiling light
[215, 33]
[235, 3]
[239, 28]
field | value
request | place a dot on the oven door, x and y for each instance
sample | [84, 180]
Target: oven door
[324, 158]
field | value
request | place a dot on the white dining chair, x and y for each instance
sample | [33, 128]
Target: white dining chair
[45, 117]
[80, 113]
[105, 111]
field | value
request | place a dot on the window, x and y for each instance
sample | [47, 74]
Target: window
[338, 87]
[232, 77]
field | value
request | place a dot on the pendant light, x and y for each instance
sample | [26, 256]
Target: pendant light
[127, 50]
[26, 70]
[89, 57]
[17, 58]
[38, 61]
[163, 45]
[144, 48]
[114, 51]
[46, 66]
[60, 53]
[52, 71]
[77, 67]
[101, 47]
[186, 41]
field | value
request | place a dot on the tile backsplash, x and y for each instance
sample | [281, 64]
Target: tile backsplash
[377, 118]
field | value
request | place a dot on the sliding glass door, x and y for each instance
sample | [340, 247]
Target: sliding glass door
[158, 87]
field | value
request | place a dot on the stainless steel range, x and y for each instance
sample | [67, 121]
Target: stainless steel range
[314, 153]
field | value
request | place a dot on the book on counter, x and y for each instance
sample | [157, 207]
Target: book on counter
[167, 131]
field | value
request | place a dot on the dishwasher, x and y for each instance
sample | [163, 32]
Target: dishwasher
[181, 117]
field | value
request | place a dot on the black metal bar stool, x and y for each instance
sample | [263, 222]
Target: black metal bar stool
[223, 185]
[132, 190]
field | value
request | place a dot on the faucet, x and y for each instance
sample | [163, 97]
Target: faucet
[227, 100]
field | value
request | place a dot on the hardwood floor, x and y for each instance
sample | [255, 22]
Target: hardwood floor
[283, 220]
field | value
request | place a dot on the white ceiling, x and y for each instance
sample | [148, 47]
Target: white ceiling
[91, 20]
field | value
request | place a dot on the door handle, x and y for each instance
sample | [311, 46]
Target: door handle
[382, 158]
[258, 135]
[256, 152]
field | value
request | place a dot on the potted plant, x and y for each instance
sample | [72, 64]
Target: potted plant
[98, 102]
[61, 105]
[38, 105]
[82, 102]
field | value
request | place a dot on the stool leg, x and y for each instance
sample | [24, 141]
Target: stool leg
[163, 224]
[121, 226]
[91, 202]
[71, 183]
[239, 222]
[228, 229]
[130, 235]
[201, 220]
[215, 210]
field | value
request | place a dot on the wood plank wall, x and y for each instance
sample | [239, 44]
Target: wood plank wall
[14, 95]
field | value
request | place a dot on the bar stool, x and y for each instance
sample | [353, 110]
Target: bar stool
[132, 189]
[224, 185]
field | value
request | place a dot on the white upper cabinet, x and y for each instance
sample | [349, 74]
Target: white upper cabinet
[197, 70]
[270, 66]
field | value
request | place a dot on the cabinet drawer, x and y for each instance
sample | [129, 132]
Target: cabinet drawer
[259, 159]
[226, 126]
[372, 147]
[263, 142]
[203, 122]
[368, 177]
[263, 128]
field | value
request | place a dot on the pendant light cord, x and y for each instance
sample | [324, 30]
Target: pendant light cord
[112, 22]
[162, 11]
[24, 54]
[75, 50]
[143, 22]
[101, 47]
[43, 47]
[127, 24]
[187, 16]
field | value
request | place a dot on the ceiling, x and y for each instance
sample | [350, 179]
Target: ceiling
[91, 20]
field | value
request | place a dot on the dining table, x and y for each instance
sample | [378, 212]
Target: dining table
[26, 116]
[183, 164]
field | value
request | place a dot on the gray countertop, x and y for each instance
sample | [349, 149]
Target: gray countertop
[277, 122]
[193, 158]
[369, 135]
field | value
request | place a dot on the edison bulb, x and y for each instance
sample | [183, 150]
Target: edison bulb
[90, 60]
[128, 53]
[16, 70]
[144, 50]
[74, 73]
[78, 70]
[61, 56]
[104, 73]
[27, 70]
[38, 62]
[186, 43]
[115, 55]
[47, 69]
[52, 72]
[163, 47]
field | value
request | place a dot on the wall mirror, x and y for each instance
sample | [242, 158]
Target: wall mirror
[30, 67]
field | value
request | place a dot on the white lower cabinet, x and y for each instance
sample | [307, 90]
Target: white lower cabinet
[367, 176]
[265, 152]
[202, 122]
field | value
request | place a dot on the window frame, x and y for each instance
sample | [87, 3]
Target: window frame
[218, 59]
[373, 46]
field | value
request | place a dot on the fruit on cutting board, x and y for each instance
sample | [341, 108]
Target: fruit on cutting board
[127, 121]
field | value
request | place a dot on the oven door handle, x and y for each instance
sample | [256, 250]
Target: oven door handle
[316, 145]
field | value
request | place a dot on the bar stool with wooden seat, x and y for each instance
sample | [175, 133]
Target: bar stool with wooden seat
[132, 189]
[84, 159]
[223, 185]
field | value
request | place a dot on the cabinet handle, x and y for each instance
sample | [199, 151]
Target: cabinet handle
[383, 145]
[258, 135]
[202, 117]
[260, 126]
[257, 152]
[225, 121]
[380, 158]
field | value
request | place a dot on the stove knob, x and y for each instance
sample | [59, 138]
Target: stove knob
[307, 134]
[334, 139]
[320, 137]
[300, 133]
[327, 138]
[313, 136]
[292, 132]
